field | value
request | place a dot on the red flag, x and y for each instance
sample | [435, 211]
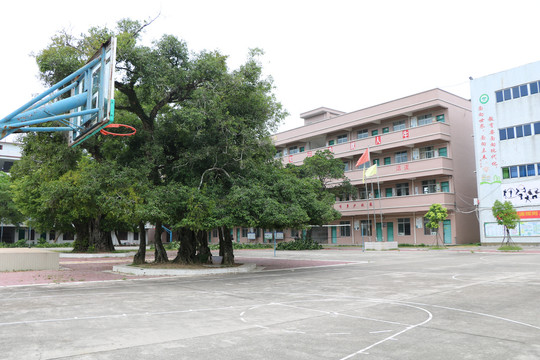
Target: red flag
[364, 158]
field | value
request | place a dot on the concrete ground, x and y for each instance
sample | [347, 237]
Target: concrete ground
[464, 303]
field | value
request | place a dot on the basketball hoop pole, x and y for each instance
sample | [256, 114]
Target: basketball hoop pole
[81, 104]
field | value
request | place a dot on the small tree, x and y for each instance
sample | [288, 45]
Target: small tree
[435, 215]
[507, 216]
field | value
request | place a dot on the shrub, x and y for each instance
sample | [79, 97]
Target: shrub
[299, 244]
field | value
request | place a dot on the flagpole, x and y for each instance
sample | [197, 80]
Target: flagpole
[374, 212]
[380, 204]
[367, 198]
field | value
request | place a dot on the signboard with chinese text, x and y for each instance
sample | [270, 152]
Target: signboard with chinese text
[486, 138]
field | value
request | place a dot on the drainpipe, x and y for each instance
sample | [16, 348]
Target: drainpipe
[414, 219]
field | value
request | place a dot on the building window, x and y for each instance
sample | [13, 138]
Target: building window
[507, 94]
[513, 171]
[245, 232]
[385, 130]
[510, 133]
[374, 132]
[388, 192]
[404, 226]
[428, 231]
[361, 134]
[331, 142]
[425, 119]
[443, 152]
[345, 166]
[527, 130]
[523, 89]
[515, 92]
[52, 235]
[519, 131]
[499, 96]
[440, 118]
[520, 171]
[295, 233]
[445, 186]
[429, 186]
[345, 228]
[387, 161]
[341, 139]
[399, 125]
[427, 152]
[1, 147]
[533, 86]
[362, 193]
[365, 227]
[401, 157]
[293, 150]
[302, 148]
[215, 233]
[376, 162]
[136, 236]
[68, 236]
[376, 193]
[402, 189]
[518, 91]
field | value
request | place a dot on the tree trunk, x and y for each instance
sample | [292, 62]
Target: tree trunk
[228, 252]
[99, 240]
[188, 247]
[159, 253]
[140, 256]
[82, 237]
[204, 255]
[221, 240]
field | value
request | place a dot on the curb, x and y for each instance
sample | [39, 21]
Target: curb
[132, 270]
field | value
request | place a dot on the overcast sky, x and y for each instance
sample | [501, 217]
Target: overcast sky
[345, 55]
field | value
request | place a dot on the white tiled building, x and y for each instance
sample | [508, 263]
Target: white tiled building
[506, 116]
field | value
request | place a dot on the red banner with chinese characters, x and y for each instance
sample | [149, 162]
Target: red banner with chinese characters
[533, 214]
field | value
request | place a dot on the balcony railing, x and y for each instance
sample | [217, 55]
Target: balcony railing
[407, 170]
[395, 204]
[403, 138]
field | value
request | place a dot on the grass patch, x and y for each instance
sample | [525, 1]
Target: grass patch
[510, 248]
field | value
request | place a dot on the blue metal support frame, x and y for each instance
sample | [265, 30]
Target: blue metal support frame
[82, 104]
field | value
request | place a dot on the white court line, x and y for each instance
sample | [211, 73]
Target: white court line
[392, 337]
[476, 313]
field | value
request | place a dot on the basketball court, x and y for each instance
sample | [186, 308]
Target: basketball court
[376, 305]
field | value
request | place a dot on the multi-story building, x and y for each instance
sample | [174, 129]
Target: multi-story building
[506, 118]
[423, 147]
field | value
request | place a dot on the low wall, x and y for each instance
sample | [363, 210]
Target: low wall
[381, 245]
[18, 259]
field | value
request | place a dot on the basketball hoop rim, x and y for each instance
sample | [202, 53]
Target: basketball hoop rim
[105, 132]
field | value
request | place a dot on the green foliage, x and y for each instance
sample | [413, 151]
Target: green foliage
[299, 244]
[412, 245]
[506, 214]
[9, 213]
[435, 215]
[510, 248]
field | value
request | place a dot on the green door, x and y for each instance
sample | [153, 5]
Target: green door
[238, 235]
[334, 235]
[447, 232]
[389, 231]
[379, 231]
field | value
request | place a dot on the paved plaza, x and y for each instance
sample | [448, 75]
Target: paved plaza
[329, 304]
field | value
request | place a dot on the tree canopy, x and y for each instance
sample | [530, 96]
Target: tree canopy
[202, 157]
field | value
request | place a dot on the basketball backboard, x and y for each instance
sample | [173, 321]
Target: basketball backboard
[89, 108]
[98, 83]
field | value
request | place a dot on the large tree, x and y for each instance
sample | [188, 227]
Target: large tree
[198, 123]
